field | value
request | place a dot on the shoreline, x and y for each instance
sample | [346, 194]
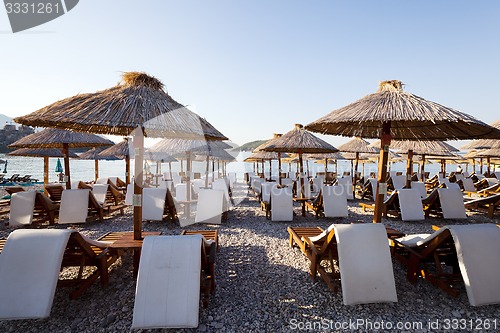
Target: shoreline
[262, 283]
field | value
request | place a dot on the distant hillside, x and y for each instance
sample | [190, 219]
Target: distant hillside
[250, 146]
[4, 120]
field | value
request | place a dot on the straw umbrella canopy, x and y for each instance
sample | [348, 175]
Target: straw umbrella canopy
[261, 156]
[57, 138]
[357, 146]
[278, 157]
[301, 142]
[421, 148]
[120, 150]
[93, 154]
[392, 113]
[137, 106]
[41, 152]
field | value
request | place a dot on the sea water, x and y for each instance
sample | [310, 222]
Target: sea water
[84, 169]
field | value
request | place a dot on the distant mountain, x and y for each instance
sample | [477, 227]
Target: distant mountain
[250, 146]
[4, 120]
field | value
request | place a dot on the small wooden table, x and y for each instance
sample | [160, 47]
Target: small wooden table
[302, 201]
[126, 242]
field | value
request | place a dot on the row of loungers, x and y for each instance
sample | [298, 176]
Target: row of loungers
[358, 258]
[28, 289]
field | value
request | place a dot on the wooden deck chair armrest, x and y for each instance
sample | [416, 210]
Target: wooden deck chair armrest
[312, 246]
[408, 248]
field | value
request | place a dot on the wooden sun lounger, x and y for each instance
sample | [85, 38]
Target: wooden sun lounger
[489, 205]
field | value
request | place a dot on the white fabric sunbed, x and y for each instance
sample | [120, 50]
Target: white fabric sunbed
[210, 206]
[399, 181]
[99, 191]
[129, 196]
[29, 269]
[22, 205]
[346, 183]
[410, 202]
[335, 201]
[74, 206]
[452, 203]
[281, 204]
[420, 186]
[468, 185]
[365, 264]
[168, 283]
[153, 203]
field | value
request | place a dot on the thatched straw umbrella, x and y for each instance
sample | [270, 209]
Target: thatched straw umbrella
[392, 113]
[483, 144]
[301, 142]
[160, 158]
[56, 138]
[120, 150]
[138, 106]
[261, 156]
[93, 154]
[357, 146]
[325, 158]
[42, 152]
[422, 148]
[278, 157]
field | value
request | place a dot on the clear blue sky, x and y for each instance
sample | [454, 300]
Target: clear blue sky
[253, 68]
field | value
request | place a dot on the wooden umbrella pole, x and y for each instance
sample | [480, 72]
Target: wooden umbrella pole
[138, 142]
[127, 169]
[65, 151]
[302, 184]
[356, 168]
[385, 142]
[207, 170]
[45, 172]
[422, 169]
[443, 167]
[409, 168]
[488, 165]
[279, 168]
[270, 169]
[96, 169]
[188, 184]
[170, 169]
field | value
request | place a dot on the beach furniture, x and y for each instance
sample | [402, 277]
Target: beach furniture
[451, 255]
[210, 206]
[265, 201]
[356, 256]
[221, 185]
[452, 203]
[99, 191]
[74, 206]
[316, 205]
[410, 205]
[22, 207]
[334, 201]
[129, 195]
[468, 185]
[398, 181]
[153, 203]
[168, 283]
[31, 261]
[489, 205]
[368, 189]
[54, 191]
[282, 204]
[420, 186]
[346, 183]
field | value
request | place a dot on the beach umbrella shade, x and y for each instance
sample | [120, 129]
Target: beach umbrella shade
[45, 153]
[392, 113]
[278, 157]
[357, 145]
[300, 141]
[326, 158]
[137, 106]
[120, 150]
[57, 138]
[93, 154]
[421, 148]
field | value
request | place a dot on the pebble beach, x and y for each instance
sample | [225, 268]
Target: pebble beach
[263, 284]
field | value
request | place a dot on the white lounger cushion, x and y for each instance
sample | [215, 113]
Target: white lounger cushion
[129, 196]
[22, 205]
[468, 185]
[221, 185]
[153, 203]
[102, 180]
[99, 191]
[210, 206]
[365, 264]
[74, 206]
[346, 182]
[478, 264]
[181, 192]
[29, 270]
[335, 201]
[420, 186]
[399, 181]
[410, 203]
[281, 204]
[168, 283]
[452, 203]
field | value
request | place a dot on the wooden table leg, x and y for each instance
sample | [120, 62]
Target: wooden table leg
[136, 259]
[303, 208]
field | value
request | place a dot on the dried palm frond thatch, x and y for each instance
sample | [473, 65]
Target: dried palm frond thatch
[176, 146]
[300, 141]
[264, 155]
[410, 117]
[119, 150]
[358, 145]
[422, 147]
[139, 100]
[484, 143]
[56, 138]
[40, 152]
[94, 154]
